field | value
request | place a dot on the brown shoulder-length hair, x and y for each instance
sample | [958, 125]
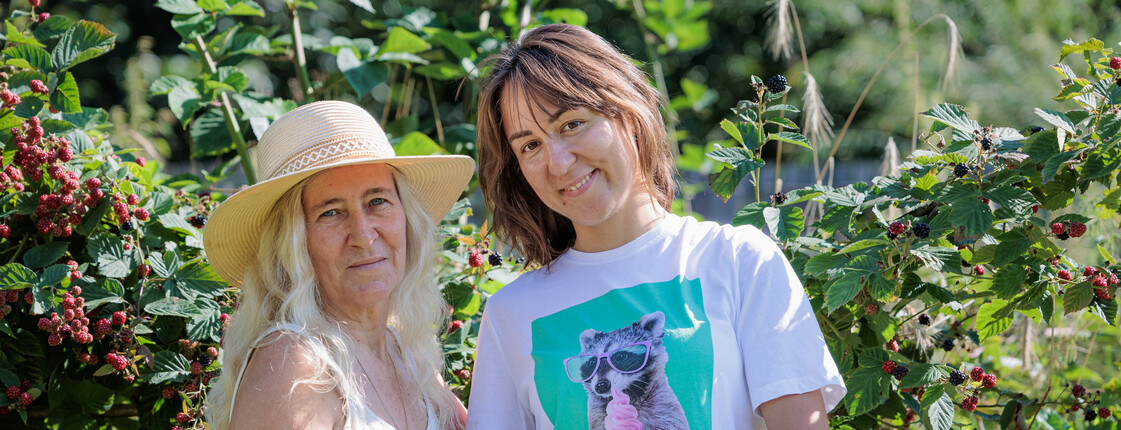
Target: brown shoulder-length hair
[570, 67]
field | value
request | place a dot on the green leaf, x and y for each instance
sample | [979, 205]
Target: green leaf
[459, 47]
[842, 291]
[1012, 245]
[417, 143]
[881, 289]
[938, 408]
[213, 5]
[210, 134]
[731, 156]
[785, 223]
[865, 391]
[105, 290]
[109, 253]
[173, 306]
[179, 7]
[91, 397]
[791, 137]
[784, 122]
[862, 245]
[54, 27]
[198, 279]
[401, 40]
[29, 107]
[988, 321]
[936, 257]
[184, 102]
[205, 327]
[441, 71]
[167, 366]
[954, 116]
[245, 8]
[16, 37]
[44, 255]
[1092, 45]
[14, 276]
[921, 374]
[53, 275]
[189, 26]
[85, 40]
[820, 263]
[1109, 258]
[234, 77]
[1077, 297]
[65, 96]
[36, 57]
[751, 214]
[1058, 119]
[782, 107]
[93, 217]
[362, 76]
[566, 15]
[1041, 146]
[166, 83]
[1009, 280]
[972, 214]
[732, 130]
[364, 4]
[724, 182]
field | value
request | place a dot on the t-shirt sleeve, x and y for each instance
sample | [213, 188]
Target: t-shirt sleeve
[494, 402]
[781, 342]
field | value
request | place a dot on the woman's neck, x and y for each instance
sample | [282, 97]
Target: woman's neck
[620, 229]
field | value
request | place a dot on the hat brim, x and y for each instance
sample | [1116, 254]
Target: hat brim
[233, 231]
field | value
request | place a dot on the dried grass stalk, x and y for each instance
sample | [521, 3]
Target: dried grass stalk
[780, 33]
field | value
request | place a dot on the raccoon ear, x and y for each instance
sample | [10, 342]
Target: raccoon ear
[587, 337]
[653, 322]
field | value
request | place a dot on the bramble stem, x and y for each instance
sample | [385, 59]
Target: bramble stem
[228, 113]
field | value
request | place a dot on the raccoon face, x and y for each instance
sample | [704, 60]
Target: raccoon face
[628, 358]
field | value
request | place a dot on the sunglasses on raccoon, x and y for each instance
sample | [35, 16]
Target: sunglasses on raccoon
[626, 359]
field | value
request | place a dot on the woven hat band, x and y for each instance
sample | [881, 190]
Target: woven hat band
[330, 151]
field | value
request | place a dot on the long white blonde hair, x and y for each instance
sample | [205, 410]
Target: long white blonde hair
[280, 288]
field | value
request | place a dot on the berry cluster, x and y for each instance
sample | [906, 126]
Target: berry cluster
[8, 98]
[895, 229]
[73, 322]
[1115, 63]
[1103, 281]
[778, 198]
[960, 170]
[19, 396]
[1091, 403]
[1066, 230]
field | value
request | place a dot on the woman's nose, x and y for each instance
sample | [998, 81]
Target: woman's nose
[560, 156]
[363, 229]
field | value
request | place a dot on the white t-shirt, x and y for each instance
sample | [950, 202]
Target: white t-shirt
[692, 322]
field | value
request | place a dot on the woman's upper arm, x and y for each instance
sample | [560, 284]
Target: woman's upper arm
[269, 397]
[795, 411]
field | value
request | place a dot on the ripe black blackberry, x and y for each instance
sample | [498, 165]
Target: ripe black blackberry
[1063, 236]
[1035, 129]
[778, 198]
[126, 225]
[948, 344]
[899, 372]
[956, 378]
[986, 143]
[921, 229]
[891, 236]
[961, 170]
[495, 258]
[776, 84]
[924, 319]
[205, 360]
[197, 220]
[1091, 414]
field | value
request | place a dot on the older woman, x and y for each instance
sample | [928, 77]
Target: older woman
[339, 312]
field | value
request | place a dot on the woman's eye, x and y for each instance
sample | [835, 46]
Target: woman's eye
[572, 125]
[376, 202]
[328, 213]
[530, 146]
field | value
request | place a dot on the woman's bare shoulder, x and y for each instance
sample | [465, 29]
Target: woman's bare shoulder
[271, 394]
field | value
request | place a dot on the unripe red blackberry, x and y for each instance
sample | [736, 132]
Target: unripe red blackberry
[1077, 229]
[54, 339]
[888, 366]
[168, 392]
[43, 17]
[1104, 412]
[212, 351]
[988, 381]
[141, 161]
[1058, 228]
[196, 368]
[454, 325]
[1115, 63]
[977, 373]
[5, 231]
[25, 399]
[463, 374]
[1064, 275]
[12, 392]
[896, 228]
[893, 345]
[969, 404]
[182, 417]
[1101, 293]
[140, 214]
[1034, 208]
[1089, 271]
[37, 86]
[119, 317]
[1077, 390]
[1100, 282]
[132, 199]
[979, 270]
[475, 260]
[33, 3]
[93, 183]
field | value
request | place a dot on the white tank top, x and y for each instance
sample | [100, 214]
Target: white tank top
[358, 414]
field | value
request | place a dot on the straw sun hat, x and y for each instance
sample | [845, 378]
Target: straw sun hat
[303, 142]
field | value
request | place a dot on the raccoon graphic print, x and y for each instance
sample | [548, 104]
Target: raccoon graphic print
[613, 365]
